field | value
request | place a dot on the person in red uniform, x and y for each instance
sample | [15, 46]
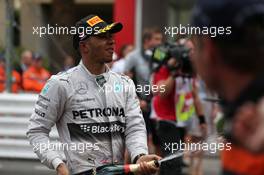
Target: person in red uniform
[165, 111]
[168, 128]
[16, 78]
[35, 77]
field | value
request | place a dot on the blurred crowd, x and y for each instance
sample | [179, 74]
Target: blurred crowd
[29, 75]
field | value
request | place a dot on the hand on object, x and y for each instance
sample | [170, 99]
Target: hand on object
[62, 169]
[146, 168]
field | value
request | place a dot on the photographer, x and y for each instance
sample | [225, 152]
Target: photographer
[190, 113]
[175, 103]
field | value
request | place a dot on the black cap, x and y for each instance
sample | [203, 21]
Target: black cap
[93, 25]
[225, 13]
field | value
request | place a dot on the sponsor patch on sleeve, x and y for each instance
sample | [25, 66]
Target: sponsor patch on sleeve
[44, 91]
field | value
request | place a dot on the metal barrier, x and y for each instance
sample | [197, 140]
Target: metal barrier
[16, 127]
[17, 104]
[15, 111]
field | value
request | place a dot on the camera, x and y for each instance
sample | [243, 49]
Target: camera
[162, 53]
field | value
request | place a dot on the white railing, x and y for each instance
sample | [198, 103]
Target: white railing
[15, 111]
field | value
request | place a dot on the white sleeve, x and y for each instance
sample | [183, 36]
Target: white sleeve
[47, 111]
[136, 134]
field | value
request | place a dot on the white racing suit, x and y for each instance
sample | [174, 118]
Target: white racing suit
[84, 112]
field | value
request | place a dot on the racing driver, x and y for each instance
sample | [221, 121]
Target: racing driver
[84, 112]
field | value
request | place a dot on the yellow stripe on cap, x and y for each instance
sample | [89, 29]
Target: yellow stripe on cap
[105, 29]
[94, 20]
